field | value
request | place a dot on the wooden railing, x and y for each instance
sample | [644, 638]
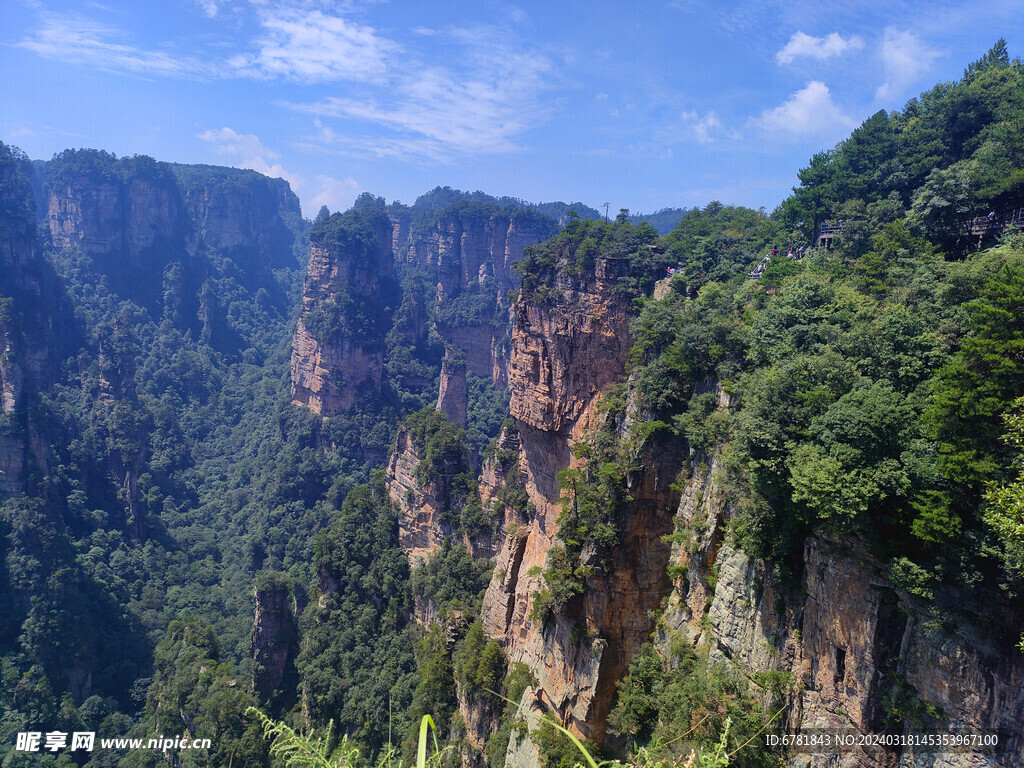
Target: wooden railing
[983, 225]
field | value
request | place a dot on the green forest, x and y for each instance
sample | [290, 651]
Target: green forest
[875, 392]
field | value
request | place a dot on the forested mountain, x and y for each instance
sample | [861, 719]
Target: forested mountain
[406, 460]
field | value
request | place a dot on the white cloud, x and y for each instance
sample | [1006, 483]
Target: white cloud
[906, 59]
[78, 40]
[316, 47]
[466, 91]
[819, 48]
[336, 194]
[808, 112]
[479, 104]
[701, 127]
[209, 7]
[248, 151]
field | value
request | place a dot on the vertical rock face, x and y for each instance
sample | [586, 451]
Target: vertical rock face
[248, 222]
[427, 483]
[466, 253]
[452, 395]
[27, 315]
[128, 216]
[148, 226]
[350, 295]
[852, 642]
[419, 506]
[274, 645]
[562, 358]
[471, 248]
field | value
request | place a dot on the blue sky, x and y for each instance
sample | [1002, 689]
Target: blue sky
[642, 104]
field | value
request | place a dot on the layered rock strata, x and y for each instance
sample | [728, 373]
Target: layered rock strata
[563, 356]
[468, 253]
[852, 644]
[337, 351]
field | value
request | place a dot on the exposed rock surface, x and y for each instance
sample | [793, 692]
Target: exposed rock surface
[420, 506]
[452, 398]
[332, 370]
[29, 310]
[131, 226]
[148, 227]
[251, 221]
[848, 637]
[849, 640]
[468, 252]
[274, 645]
[563, 356]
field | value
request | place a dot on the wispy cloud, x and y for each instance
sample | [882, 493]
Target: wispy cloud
[482, 105]
[906, 59]
[316, 47]
[247, 151]
[808, 112]
[77, 40]
[703, 126]
[820, 48]
[210, 7]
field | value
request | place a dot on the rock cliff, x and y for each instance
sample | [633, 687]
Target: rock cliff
[349, 299]
[420, 505]
[853, 647]
[564, 355]
[127, 216]
[456, 268]
[29, 312]
[150, 228]
[274, 644]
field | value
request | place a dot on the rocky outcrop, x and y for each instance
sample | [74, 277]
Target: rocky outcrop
[29, 312]
[275, 640]
[349, 298]
[470, 249]
[563, 356]
[150, 228]
[128, 216]
[428, 484]
[452, 399]
[420, 506]
[852, 644]
[471, 241]
[251, 221]
[460, 268]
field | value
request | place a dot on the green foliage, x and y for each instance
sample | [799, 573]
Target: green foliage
[480, 665]
[630, 252]
[975, 386]
[308, 750]
[674, 706]
[1006, 501]
[678, 343]
[452, 579]
[444, 465]
[436, 688]
[719, 242]
[591, 497]
[473, 306]
[192, 683]
[361, 315]
[558, 748]
[357, 663]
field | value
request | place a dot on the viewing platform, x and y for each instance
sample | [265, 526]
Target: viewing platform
[827, 232]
